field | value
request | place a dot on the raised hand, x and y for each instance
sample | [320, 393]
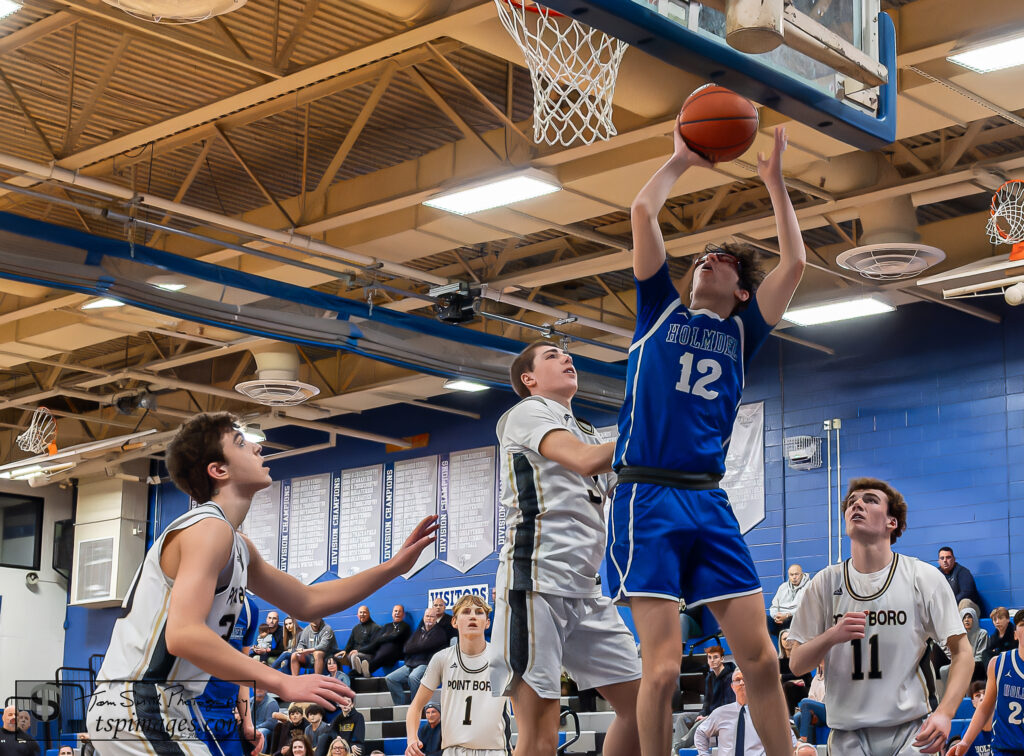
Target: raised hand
[422, 536]
[681, 151]
[770, 168]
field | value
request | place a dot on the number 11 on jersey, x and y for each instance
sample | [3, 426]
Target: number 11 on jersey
[874, 672]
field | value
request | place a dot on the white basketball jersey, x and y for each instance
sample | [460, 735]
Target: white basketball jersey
[470, 716]
[875, 681]
[138, 649]
[556, 530]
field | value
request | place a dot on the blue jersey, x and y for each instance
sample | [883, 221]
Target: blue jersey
[217, 703]
[683, 381]
[982, 745]
[1008, 719]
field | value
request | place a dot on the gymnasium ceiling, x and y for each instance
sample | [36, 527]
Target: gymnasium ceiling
[335, 120]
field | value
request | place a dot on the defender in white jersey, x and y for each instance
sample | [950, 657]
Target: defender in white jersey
[473, 722]
[175, 622]
[549, 611]
[870, 619]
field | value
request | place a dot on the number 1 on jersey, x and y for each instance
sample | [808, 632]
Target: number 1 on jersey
[709, 370]
[874, 673]
[469, 710]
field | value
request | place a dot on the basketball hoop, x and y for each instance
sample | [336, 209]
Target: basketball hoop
[573, 69]
[40, 434]
[1006, 225]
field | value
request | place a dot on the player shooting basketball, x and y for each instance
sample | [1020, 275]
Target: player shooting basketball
[672, 532]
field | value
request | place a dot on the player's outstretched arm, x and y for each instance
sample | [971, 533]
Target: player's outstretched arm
[982, 715]
[310, 602]
[775, 293]
[648, 243]
[586, 459]
[807, 656]
[412, 721]
[195, 557]
[935, 731]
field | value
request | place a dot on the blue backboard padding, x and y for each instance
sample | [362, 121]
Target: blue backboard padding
[747, 75]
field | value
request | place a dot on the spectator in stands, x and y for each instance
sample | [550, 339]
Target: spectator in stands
[430, 731]
[316, 643]
[733, 726]
[351, 725]
[320, 733]
[87, 747]
[787, 599]
[290, 725]
[386, 647]
[339, 747]
[1001, 638]
[959, 577]
[812, 707]
[794, 686]
[444, 619]
[264, 706]
[423, 644]
[717, 689]
[264, 643]
[805, 749]
[13, 741]
[298, 746]
[334, 670]
[289, 642]
[66, 750]
[360, 640]
[376, 752]
[982, 744]
[278, 634]
[978, 639]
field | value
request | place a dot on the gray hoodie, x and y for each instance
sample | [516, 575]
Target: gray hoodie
[787, 598]
[977, 637]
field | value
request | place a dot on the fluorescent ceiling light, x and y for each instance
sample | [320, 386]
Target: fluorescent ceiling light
[170, 286]
[493, 194]
[26, 472]
[461, 384]
[834, 311]
[96, 304]
[253, 434]
[994, 56]
[7, 7]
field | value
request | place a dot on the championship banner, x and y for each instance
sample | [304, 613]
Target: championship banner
[413, 497]
[467, 507]
[333, 547]
[286, 516]
[360, 532]
[262, 524]
[744, 466]
[308, 534]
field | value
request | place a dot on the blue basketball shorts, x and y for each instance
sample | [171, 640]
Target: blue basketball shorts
[676, 543]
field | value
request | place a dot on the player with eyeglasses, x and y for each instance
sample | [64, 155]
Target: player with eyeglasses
[672, 533]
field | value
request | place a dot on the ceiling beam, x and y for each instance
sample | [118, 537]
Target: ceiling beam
[38, 30]
[92, 101]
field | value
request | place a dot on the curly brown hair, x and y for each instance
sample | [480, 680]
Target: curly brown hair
[896, 506]
[750, 273]
[195, 446]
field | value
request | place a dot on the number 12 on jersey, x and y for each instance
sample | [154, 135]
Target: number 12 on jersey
[709, 371]
[874, 672]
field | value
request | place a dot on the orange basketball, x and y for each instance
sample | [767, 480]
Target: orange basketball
[717, 123]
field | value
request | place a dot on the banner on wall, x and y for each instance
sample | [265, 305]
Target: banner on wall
[360, 533]
[286, 524]
[308, 532]
[410, 494]
[453, 594]
[744, 466]
[262, 524]
[466, 507]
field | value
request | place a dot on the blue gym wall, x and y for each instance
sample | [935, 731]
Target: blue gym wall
[930, 399]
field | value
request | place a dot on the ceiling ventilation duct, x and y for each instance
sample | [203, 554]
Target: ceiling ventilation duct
[277, 365]
[890, 247]
[176, 11]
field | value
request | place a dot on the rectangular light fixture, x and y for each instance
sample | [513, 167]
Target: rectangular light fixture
[497, 193]
[461, 384]
[170, 286]
[97, 304]
[994, 56]
[7, 7]
[835, 311]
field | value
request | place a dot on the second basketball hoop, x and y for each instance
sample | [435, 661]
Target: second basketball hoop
[573, 68]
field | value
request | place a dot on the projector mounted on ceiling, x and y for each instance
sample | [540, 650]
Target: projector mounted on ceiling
[176, 11]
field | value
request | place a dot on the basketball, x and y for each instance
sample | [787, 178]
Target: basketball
[717, 123]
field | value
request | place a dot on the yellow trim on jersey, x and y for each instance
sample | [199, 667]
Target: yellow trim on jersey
[885, 585]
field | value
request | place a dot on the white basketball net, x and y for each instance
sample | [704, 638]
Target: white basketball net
[573, 69]
[41, 431]
[1006, 225]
